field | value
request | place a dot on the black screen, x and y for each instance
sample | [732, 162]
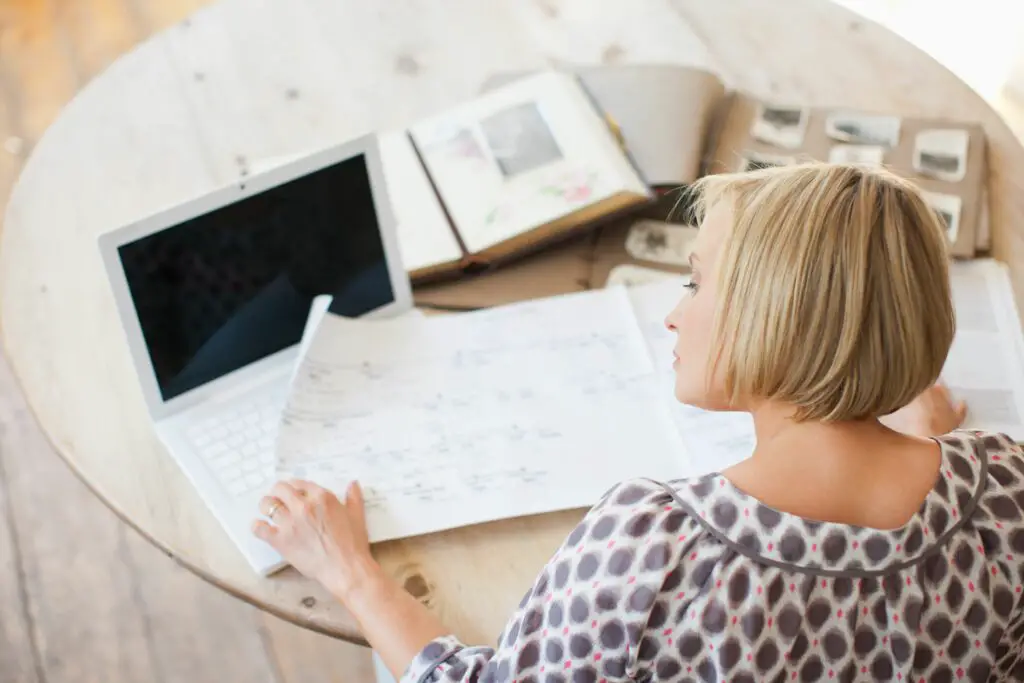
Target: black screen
[228, 288]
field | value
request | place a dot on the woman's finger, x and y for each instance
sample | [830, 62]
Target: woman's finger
[271, 506]
[264, 532]
[304, 487]
[287, 494]
[355, 505]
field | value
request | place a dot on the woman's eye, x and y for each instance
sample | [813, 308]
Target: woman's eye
[692, 286]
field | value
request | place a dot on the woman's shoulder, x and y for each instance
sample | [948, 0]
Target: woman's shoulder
[981, 463]
[990, 443]
[641, 508]
[987, 470]
[637, 527]
[640, 505]
[636, 508]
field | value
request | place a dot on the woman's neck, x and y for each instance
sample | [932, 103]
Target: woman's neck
[854, 472]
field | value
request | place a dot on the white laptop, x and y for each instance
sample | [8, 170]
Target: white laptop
[214, 296]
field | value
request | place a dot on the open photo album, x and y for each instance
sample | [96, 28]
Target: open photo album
[504, 174]
[945, 158]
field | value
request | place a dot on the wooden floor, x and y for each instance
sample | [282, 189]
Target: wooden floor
[83, 598]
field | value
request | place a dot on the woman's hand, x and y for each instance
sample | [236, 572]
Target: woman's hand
[325, 539]
[321, 536]
[933, 413]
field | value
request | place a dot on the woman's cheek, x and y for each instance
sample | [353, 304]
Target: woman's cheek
[692, 348]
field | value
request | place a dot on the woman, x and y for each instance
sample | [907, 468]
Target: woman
[863, 540]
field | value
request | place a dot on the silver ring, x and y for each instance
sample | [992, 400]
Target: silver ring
[273, 508]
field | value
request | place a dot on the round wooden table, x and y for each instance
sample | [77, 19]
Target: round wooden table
[248, 80]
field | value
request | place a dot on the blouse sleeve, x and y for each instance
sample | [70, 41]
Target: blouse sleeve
[448, 659]
[585, 615]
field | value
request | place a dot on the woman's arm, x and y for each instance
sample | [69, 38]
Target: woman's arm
[585, 613]
[932, 413]
[397, 625]
[325, 539]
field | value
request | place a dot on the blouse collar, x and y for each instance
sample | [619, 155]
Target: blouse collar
[785, 540]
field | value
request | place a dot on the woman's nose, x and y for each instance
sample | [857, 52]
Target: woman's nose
[669, 325]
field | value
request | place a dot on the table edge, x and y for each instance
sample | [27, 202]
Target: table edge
[193, 568]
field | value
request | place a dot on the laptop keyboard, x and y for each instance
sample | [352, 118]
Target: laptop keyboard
[238, 444]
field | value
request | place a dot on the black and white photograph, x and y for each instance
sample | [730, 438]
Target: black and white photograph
[864, 155]
[948, 207]
[753, 161]
[863, 129]
[661, 242]
[629, 275]
[780, 126]
[942, 154]
[520, 139]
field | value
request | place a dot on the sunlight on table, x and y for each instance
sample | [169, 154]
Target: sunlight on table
[978, 41]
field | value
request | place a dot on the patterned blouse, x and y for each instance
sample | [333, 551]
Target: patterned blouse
[696, 581]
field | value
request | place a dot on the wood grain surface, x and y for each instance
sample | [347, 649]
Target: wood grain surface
[82, 596]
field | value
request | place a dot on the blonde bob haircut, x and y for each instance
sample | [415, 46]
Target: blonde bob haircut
[833, 291]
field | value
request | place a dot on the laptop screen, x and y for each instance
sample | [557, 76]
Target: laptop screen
[228, 288]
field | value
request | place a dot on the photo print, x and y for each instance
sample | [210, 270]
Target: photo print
[520, 139]
[629, 275]
[942, 154]
[948, 207]
[864, 155]
[753, 161]
[780, 126]
[660, 242]
[863, 129]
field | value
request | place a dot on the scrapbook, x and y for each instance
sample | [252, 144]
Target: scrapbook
[503, 174]
[945, 158]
